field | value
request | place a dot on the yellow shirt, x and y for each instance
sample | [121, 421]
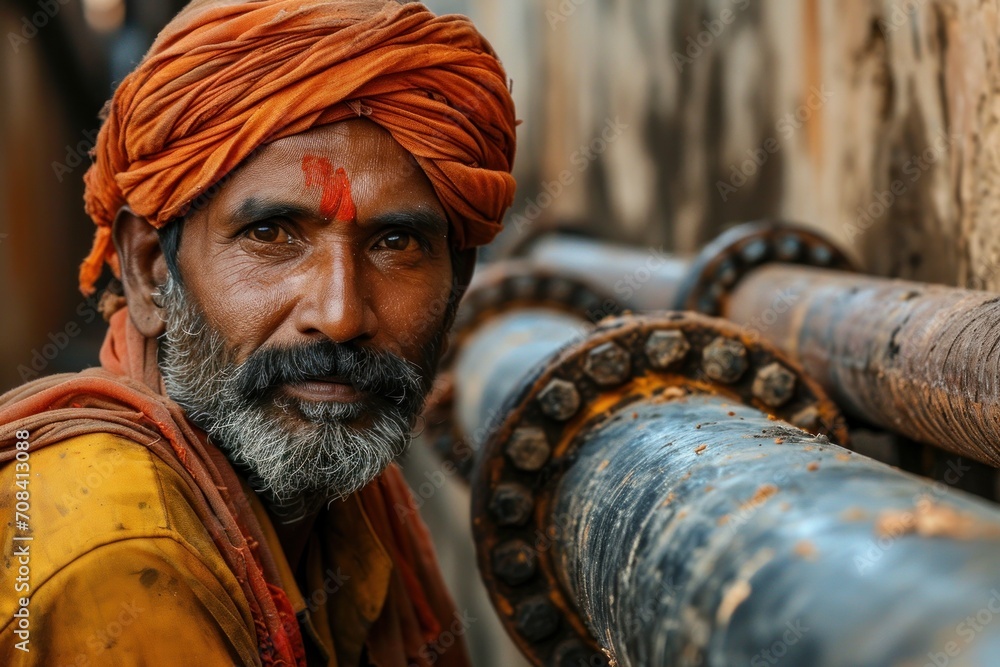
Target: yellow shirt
[123, 572]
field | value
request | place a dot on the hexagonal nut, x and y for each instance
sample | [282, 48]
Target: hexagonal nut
[528, 448]
[514, 562]
[511, 504]
[559, 400]
[788, 247]
[608, 364]
[774, 385]
[724, 360]
[536, 618]
[664, 348]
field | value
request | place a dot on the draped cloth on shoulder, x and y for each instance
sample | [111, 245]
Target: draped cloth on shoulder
[126, 398]
[227, 76]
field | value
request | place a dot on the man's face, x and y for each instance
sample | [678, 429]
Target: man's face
[311, 311]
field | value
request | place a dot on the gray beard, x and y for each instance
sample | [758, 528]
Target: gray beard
[297, 454]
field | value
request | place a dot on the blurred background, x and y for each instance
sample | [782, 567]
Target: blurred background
[650, 122]
[667, 121]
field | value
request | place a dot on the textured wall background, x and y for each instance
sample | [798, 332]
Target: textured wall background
[874, 120]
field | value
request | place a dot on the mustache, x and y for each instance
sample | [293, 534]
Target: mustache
[379, 373]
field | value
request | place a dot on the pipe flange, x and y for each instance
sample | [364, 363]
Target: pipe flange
[501, 288]
[623, 360]
[736, 252]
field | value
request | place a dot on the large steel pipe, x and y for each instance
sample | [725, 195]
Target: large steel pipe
[921, 360]
[689, 536]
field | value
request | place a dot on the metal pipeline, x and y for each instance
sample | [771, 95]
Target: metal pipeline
[642, 280]
[717, 546]
[917, 359]
[913, 358]
[646, 500]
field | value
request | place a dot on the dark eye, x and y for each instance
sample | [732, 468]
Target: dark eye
[398, 241]
[268, 233]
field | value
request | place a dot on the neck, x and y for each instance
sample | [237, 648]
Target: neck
[293, 524]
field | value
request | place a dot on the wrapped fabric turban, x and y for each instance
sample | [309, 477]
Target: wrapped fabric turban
[226, 77]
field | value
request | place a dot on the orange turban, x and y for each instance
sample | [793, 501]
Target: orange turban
[228, 76]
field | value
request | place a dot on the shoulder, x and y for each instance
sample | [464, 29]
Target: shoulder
[96, 489]
[100, 500]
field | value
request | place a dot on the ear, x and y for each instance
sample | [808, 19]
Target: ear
[143, 268]
[465, 266]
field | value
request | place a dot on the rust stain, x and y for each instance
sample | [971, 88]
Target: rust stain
[700, 448]
[929, 519]
[806, 550]
[760, 496]
[812, 467]
[733, 598]
[336, 202]
[853, 514]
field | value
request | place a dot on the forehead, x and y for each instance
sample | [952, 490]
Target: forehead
[382, 174]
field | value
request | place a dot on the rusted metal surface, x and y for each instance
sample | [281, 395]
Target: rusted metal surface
[921, 360]
[664, 518]
[622, 362]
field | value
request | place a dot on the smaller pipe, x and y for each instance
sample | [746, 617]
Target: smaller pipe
[921, 360]
[640, 279]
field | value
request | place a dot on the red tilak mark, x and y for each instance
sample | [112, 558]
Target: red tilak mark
[337, 202]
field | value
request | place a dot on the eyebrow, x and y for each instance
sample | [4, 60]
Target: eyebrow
[255, 208]
[427, 222]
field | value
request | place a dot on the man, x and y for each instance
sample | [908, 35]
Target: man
[290, 192]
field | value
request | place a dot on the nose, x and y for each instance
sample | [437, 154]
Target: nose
[335, 303]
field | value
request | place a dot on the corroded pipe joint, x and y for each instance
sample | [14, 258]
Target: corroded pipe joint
[500, 289]
[721, 264]
[623, 361]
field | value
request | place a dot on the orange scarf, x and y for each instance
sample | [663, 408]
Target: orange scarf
[126, 398]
